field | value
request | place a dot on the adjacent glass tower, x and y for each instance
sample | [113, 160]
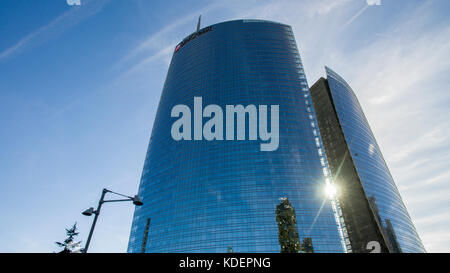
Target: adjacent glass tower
[371, 204]
[222, 196]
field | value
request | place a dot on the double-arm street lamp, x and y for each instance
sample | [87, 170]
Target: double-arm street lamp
[136, 201]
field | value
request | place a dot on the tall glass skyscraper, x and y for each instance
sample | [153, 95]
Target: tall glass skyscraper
[228, 195]
[371, 204]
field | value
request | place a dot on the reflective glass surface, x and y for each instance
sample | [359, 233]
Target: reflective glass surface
[371, 167]
[222, 196]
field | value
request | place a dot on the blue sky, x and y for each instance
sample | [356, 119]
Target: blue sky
[79, 87]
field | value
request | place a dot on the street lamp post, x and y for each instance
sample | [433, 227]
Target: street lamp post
[136, 201]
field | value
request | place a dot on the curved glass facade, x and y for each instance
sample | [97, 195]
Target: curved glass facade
[372, 169]
[223, 196]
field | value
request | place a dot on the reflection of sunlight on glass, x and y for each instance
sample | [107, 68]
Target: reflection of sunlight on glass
[330, 190]
[315, 218]
[371, 149]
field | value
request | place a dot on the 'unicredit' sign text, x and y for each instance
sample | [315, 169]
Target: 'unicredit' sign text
[191, 37]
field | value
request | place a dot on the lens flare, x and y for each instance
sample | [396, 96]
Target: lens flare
[330, 190]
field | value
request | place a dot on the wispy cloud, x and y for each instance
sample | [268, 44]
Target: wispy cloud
[291, 9]
[162, 54]
[361, 11]
[437, 240]
[73, 2]
[56, 27]
[159, 45]
[322, 7]
[374, 2]
[400, 81]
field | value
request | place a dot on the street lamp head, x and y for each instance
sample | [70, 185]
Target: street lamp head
[137, 201]
[88, 212]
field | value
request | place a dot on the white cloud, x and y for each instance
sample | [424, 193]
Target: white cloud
[163, 54]
[374, 2]
[284, 10]
[73, 2]
[437, 241]
[361, 11]
[322, 7]
[160, 45]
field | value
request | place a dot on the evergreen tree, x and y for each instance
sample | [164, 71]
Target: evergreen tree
[287, 227]
[69, 244]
